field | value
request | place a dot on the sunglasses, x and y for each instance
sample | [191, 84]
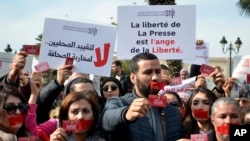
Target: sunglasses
[176, 104]
[106, 88]
[11, 109]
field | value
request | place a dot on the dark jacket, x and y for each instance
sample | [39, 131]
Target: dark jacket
[147, 128]
[127, 86]
[45, 100]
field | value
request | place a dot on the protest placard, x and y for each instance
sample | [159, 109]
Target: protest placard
[90, 45]
[167, 31]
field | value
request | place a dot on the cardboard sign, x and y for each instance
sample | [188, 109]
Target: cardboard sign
[199, 137]
[206, 69]
[157, 100]
[32, 49]
[42, 67]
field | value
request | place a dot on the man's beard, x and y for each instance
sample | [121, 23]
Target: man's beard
[145, 89]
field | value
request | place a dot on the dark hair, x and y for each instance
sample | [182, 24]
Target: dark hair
[76, 96]
[176, 95]
[190, 123]
[141, 56]
[164, 67]
[116, 81]
[70, 86]
[117, 63]
[7, 90]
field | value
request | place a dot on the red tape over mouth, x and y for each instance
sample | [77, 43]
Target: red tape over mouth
[77, 125]
[223, 129]
[16, 119]
[156, 85]
[198, 113]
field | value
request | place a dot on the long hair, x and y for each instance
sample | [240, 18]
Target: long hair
[76, 96]
[7, 90]
[190, 123]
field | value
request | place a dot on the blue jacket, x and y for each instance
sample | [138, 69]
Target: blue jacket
[147, 128]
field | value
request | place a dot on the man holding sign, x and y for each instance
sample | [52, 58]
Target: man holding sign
[125, 117]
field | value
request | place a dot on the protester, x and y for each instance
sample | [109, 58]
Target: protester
[78, 107]
[50, 92]
[130, 117]
[119, 74]
[197, 120]
[110, 87]
[13, 109]
[184, 74]
[225, 111]
[175, 100]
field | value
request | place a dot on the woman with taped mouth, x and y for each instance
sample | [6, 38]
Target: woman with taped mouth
[13, 109]
[197, 119]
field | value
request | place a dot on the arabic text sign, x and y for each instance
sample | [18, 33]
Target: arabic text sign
[90, 45]
[167, 31]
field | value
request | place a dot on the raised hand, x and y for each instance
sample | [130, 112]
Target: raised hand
[228, 85]
[17, 65]
[200, 81]
[218, 77]
[35, 85]
[62, 73]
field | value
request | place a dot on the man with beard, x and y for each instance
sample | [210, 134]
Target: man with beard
[131, 117]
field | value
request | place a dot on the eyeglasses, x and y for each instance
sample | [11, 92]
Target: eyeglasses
[176, 104]
[11, 109]
[106, 88]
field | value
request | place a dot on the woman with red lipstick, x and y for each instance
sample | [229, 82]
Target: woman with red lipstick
[225, 111]
[197, 120]
[12, 111]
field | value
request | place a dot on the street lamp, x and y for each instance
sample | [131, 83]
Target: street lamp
[8, 49]
[231, 49]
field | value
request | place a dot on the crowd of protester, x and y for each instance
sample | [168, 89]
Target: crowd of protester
[71, 107]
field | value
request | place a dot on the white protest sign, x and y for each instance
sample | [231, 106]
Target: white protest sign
[167, 31]
[6, 59]
[201, 55]
[184, 89]
[241, 71]
[90, 45]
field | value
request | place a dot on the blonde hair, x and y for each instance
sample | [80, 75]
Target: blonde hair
[54, 113]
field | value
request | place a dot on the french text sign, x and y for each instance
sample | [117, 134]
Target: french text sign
[167, 31]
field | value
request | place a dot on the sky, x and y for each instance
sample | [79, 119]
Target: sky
[21, 21]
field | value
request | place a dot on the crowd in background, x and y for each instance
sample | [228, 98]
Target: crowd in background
[74, 107]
